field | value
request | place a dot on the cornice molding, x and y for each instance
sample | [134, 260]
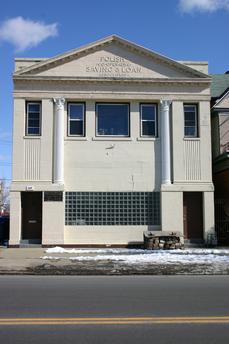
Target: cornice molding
[165, 81]
[127, 96]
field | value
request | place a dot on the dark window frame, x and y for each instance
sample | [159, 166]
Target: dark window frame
[196, 134]
[75, 120]
[156, 119]
[33, 102]
[96, 119]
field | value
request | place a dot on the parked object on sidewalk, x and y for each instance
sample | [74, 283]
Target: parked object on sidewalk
[163, 240]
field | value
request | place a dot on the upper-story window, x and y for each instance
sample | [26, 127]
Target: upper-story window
[148, 113]
[112, 119]
[33, 118]
[76, 119]
[190, 120]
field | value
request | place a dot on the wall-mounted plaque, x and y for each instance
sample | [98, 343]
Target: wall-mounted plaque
[53, 196]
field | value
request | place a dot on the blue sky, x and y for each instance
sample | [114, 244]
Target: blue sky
[179, 29]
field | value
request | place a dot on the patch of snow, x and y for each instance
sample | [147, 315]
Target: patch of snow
[58, 249]
[125, 251]
[155, 257]
[214, 258]
[50, 258]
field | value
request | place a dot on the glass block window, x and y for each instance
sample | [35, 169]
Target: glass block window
[33, 118]
[148, 120]
[112, 119]
[76, 119]
[112, 208]
[190, 120]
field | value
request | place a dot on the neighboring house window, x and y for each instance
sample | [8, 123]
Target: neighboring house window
[76, 119]
[33, 118]
[112, 119]
[190, 120]
[148, 114]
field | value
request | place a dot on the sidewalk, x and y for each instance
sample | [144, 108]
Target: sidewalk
[108, 261]
[19, 260]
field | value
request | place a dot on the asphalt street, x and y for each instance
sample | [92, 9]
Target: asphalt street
[114, 309]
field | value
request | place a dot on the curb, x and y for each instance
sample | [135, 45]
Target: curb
[115, 270]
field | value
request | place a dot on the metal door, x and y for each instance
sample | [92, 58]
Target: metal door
[193, 215]
[31, 215]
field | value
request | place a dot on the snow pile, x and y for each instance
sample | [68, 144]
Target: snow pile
[142, 257]
[195, 251]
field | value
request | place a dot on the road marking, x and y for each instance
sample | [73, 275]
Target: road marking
[115, 320]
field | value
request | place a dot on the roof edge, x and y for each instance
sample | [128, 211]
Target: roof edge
[220, 98]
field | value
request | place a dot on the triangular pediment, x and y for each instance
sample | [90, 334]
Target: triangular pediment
[109, 58]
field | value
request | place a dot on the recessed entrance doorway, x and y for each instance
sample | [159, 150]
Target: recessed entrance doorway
[193, 216]
[31, 207]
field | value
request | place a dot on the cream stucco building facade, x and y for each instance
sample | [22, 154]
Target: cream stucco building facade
[110, 139]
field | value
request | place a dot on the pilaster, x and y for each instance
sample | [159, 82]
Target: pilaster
[165, 143]
[58, 164]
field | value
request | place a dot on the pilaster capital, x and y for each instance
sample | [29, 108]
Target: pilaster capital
[165, 104]
[59, 103]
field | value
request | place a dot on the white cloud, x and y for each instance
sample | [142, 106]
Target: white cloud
[203, 5]
[26, 33]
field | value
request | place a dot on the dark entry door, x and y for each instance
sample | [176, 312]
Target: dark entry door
[31, 216]
[193, 215]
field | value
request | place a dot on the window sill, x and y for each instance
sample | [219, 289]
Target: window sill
[147, 138]
[31, 137]
[110, 138]
[191, 138]
[75, 138]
